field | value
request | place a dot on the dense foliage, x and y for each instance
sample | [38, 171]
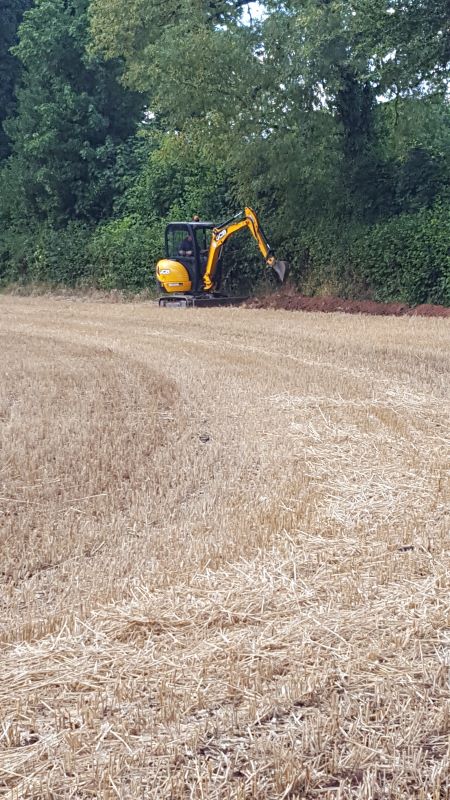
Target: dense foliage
[11, 14]
[331, 117]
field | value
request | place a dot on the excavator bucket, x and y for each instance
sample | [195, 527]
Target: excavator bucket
[281, 269]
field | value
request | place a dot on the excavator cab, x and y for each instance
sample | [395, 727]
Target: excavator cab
[186, 255]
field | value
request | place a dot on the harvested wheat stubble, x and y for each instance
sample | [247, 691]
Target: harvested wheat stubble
[224, 554]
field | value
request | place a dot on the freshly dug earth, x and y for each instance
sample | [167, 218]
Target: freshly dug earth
[290, 300]
[224, 562]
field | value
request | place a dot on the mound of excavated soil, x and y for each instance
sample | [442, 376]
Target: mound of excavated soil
[293, 301]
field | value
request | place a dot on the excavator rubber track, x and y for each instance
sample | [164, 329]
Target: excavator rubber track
[199, 301]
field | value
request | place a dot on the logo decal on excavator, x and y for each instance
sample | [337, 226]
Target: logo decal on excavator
[219, 236]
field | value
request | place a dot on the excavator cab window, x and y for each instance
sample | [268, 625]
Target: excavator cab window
[203, 237]
[178, 242]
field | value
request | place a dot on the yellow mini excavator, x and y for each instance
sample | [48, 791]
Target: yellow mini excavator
[191, 272]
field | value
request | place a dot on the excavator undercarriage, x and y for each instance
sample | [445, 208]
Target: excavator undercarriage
[210, 300]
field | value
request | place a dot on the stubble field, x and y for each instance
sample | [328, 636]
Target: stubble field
[224, 554]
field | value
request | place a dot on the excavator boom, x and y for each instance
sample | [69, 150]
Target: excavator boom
[223, 232]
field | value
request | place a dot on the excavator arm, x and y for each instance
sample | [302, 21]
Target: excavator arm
[223, 232]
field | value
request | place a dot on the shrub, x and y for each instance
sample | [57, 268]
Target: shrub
[405, 258]
[408, 258]
[125, 252]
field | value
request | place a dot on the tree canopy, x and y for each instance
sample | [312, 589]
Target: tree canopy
[72, 115]
[11, 14]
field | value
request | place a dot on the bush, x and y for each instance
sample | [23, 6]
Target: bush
[46, 255]
[62, 256]
[405, 259]
[125, 252]
[408, 258]
[14, 253]
[118, 255]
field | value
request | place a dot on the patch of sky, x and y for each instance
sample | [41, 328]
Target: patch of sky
[254, 11]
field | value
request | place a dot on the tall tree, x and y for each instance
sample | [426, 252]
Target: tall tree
[11, 14]
[73, 114]
[407, 41]
[192, 58]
